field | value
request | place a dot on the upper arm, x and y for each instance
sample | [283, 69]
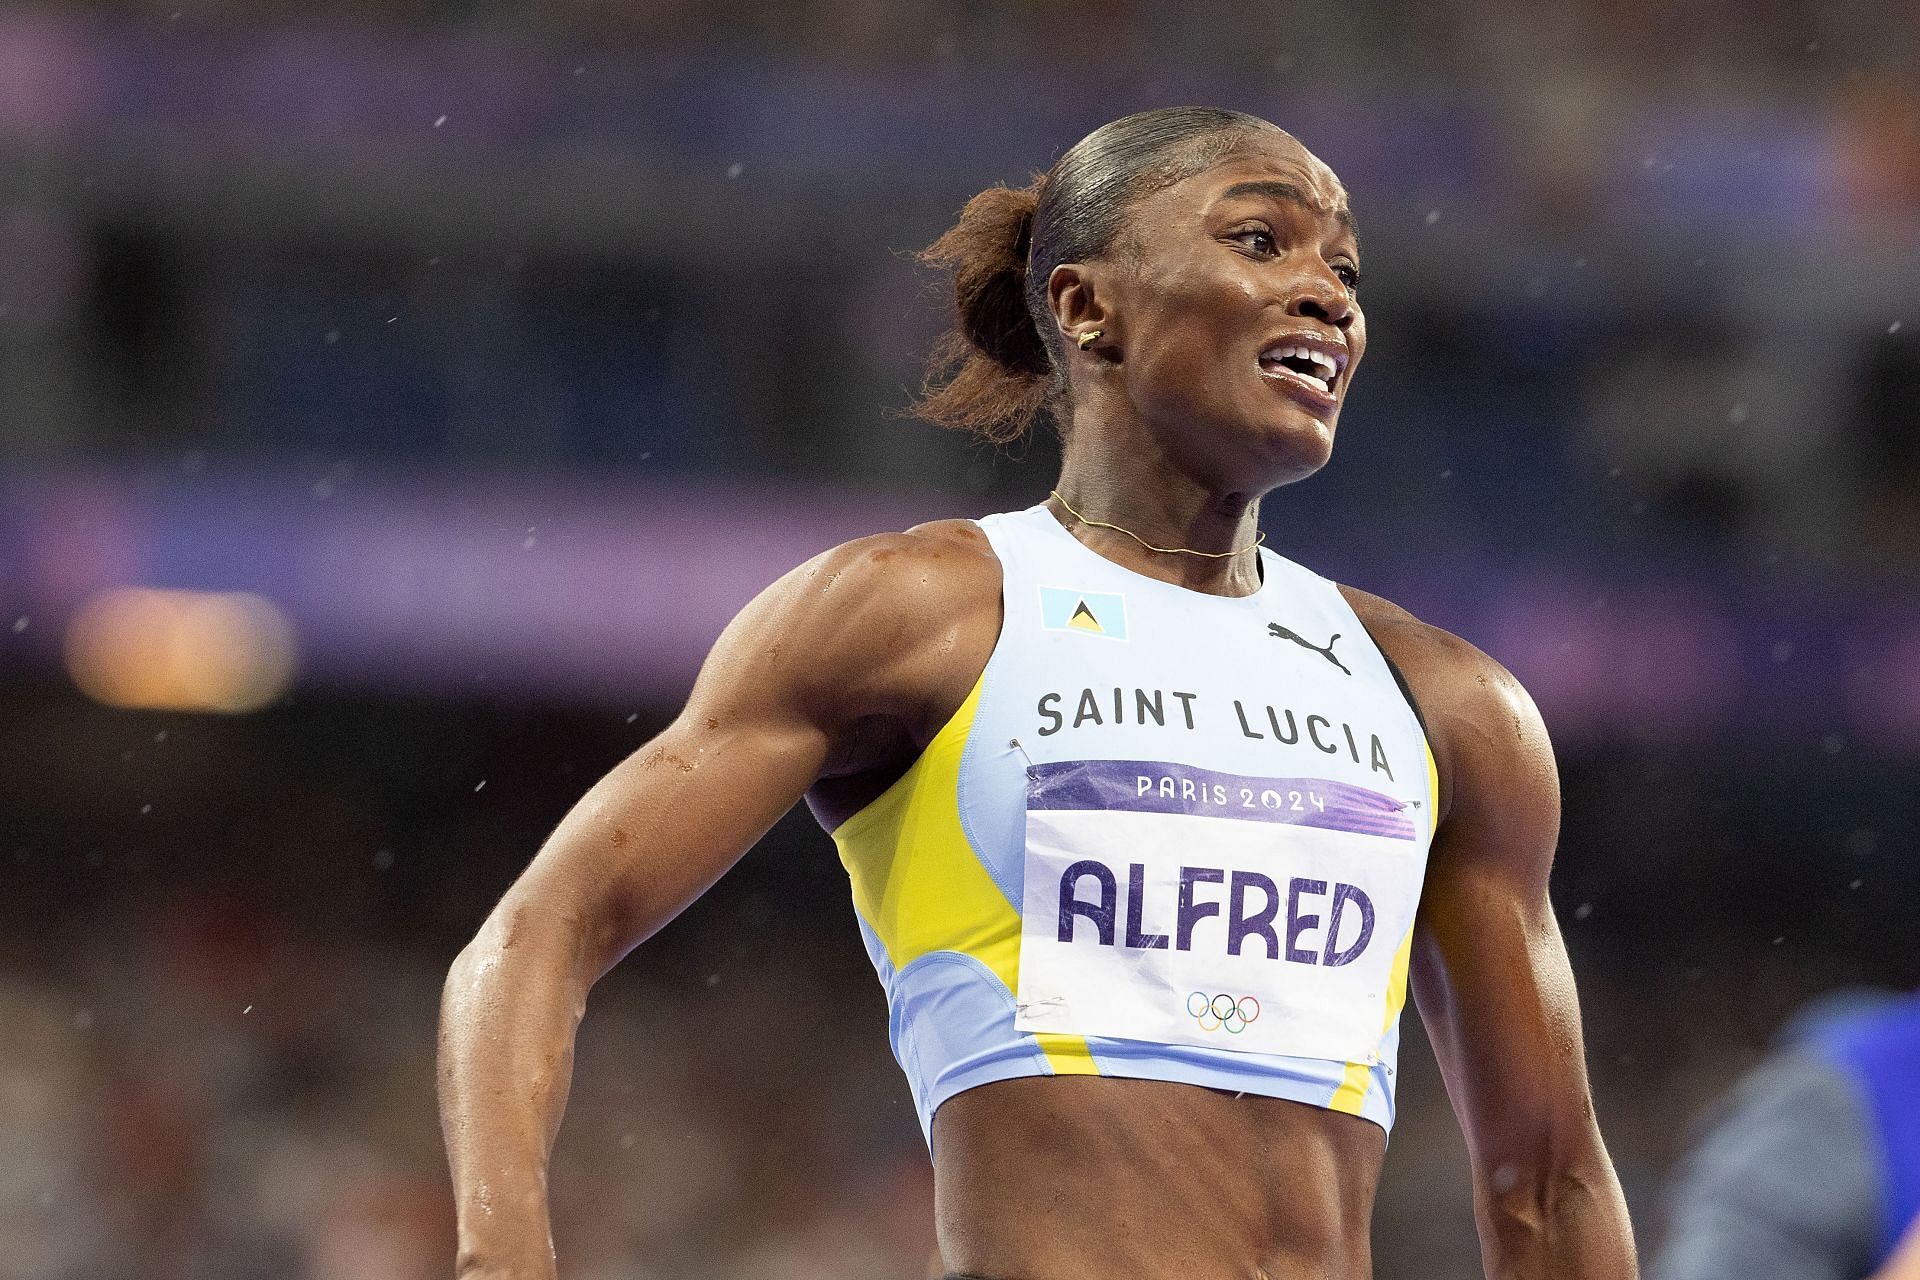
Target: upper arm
[1489, 971]
[831, 643]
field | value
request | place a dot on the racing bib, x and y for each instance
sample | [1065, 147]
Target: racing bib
[1183, 906]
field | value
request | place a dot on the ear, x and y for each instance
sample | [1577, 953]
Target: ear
[1078, 303]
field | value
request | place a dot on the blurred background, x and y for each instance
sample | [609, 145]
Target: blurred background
[397, 396]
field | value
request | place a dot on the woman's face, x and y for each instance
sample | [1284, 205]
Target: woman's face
[1233, 308]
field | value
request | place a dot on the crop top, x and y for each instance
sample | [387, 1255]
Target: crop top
[1168, 835]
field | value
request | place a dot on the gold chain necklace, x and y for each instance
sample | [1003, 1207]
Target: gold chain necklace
[1102, 524]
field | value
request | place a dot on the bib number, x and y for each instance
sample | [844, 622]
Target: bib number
[1258, 915]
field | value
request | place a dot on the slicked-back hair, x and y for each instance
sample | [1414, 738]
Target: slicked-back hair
[1004, 360]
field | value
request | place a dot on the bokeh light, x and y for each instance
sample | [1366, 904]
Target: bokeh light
[397, 400]
[165, 650]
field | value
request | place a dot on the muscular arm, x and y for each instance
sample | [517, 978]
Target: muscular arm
[836, 644]
[1490, 973]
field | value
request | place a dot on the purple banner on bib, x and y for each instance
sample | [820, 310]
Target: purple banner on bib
[1156, 786]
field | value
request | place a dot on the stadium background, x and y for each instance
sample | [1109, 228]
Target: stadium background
[498, 352]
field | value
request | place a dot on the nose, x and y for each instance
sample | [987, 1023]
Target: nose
[1325, 300]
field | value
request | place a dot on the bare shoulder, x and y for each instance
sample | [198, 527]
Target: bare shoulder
[913, 582]
[941, 554]
[882, 627]
[1449, 676]
[1481, 721]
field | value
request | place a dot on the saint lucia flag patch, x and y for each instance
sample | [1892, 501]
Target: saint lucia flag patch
[1098, 613]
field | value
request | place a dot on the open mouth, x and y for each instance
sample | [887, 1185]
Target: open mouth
[1316, 366]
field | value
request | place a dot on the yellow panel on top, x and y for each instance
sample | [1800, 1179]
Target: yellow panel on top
[1353, 1081]
[921, 888]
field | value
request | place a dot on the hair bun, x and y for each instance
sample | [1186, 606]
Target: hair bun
[988, 258]
[991, 374]
[996, 370]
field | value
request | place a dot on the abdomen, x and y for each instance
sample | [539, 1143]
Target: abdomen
[1089, 1178]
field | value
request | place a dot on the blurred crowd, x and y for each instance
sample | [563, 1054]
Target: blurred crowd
[223, 962]
[1666, 251]
[1659, 260]
[219, 985]
[1647, 44]
[201, 1093]
[1644, 356]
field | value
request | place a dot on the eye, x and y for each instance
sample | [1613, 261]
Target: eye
[1258, 239]
[1349, 275]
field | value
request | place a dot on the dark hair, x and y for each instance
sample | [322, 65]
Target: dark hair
[1004, 360]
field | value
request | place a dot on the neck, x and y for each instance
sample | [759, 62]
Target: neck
[1160, 505]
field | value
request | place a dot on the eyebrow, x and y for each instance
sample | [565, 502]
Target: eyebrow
[1295, 195]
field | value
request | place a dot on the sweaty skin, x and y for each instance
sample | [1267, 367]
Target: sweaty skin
[832, 681]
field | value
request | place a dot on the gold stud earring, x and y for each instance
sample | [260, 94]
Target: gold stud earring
[1090, 337]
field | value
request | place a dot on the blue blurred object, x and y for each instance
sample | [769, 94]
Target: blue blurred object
[1879, 1049]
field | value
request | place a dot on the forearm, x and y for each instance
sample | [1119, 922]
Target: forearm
[511, 1006]
[1566, 1223]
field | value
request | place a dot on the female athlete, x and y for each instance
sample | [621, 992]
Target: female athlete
[1149, 829]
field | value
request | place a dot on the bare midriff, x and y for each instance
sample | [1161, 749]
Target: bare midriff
[1084, 1178]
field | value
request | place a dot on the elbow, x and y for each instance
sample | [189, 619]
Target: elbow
[520, 942]
[469, 970]
[464, 994]
[1541, 1214]
[1526, 1200]
[480, 959]
[1542, 1163]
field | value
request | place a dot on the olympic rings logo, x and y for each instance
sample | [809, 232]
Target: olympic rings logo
[1223, 1012]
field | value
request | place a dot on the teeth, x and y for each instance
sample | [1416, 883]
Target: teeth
[1328, 364]
[1331, 364]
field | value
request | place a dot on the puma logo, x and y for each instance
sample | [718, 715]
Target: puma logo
[1280, 632]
